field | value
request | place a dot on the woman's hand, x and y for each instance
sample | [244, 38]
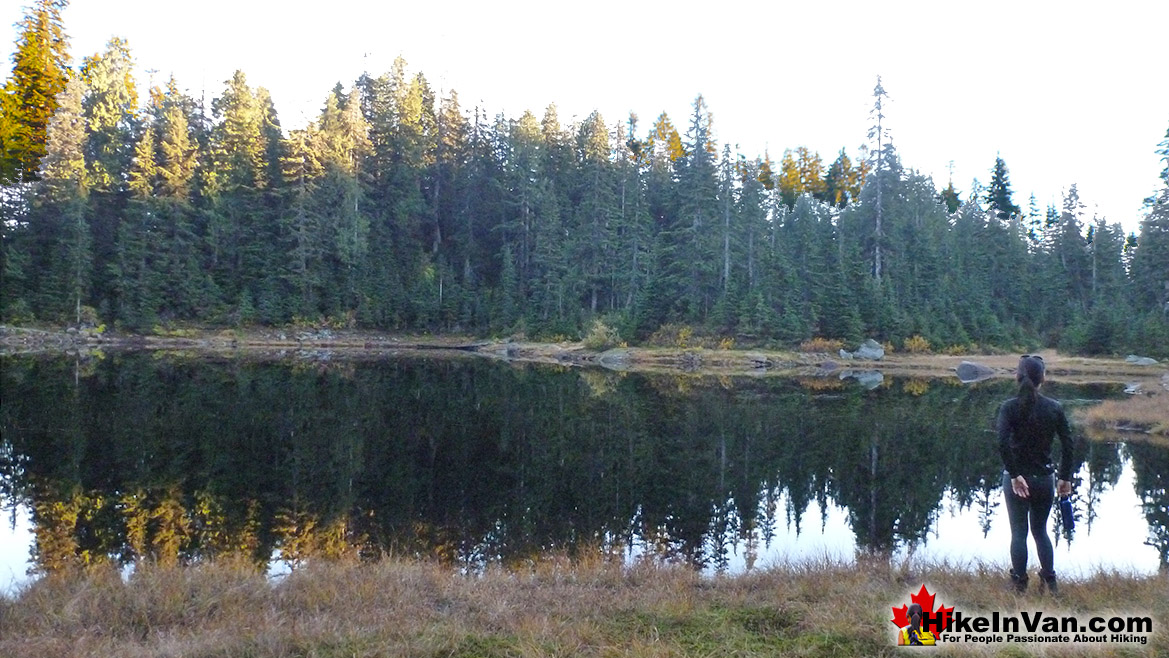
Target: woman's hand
[1019, 486]
[1063, 488]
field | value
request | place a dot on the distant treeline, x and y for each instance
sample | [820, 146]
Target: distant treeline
[398, 210]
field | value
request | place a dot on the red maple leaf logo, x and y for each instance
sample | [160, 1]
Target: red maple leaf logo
[926, 601]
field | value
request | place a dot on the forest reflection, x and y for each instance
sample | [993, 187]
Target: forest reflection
[176, 458]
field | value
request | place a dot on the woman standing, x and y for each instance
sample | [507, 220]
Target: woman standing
[1026, 425]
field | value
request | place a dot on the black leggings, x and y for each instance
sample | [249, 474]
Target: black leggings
[1032, 511]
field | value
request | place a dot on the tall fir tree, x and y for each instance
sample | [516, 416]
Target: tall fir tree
[811, 171]
[693, 234]
[110, 106]
[136, 267]
[788, 181]
[998, 195]
[63, 248]
[880, 135]
[1071, 249]
[40, 71]
[344, 144]
[595, 204]
[1150, 260]
[950, 197]
[304, 240]
[185, 291]
[840, 181]
[240, 227]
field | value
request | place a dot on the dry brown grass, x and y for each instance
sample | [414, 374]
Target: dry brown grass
[1142, 413]
[549, 608]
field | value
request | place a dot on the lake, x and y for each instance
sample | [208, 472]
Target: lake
[180, 457]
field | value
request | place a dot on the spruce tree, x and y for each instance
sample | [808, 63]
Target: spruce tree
[950, 198]
[788, 182]
[304, 239]
[63, 251]
[182, 281]
[633, 239]
[998, 195]
[691, 238]
[595, 203]
[135, 269]
[1150, 260]
[752, 212]
[811, 172]
[839, 181]
[879, 133]
[343, 138]
[239, 227]
[110, 106]
[40, 72]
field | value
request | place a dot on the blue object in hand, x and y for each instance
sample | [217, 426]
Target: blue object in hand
[1066, 513]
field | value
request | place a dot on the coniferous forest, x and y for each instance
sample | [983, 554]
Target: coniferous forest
[398, 210]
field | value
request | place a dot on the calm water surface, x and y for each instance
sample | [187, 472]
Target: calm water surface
[177, 458]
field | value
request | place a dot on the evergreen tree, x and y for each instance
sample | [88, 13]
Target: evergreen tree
[998, 195]
[40, 71]
[525, 189]
[1071, 250]
[767, 172]
[752, 207]
[111, 102]
[596, 205]
[182, 282]
[509, 294]
[135, 270]
[950, 198]
[633, 239]
[16, 250]
[239, 227]
[64, 258]
[110, 106]
[689, 271]
[840, 181]
[811, 171]
[664, 148]
[873, 221]
[880, 134]
[304, 236]
[789, 182]
[342, 146]
[1150, 260]
[399, 281]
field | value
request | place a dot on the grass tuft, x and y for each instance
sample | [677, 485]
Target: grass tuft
[546, 607]
[1143, 413]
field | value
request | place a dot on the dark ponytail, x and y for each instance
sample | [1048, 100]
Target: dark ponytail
[1029, 376]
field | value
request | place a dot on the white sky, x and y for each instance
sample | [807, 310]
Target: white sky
[1066, 92]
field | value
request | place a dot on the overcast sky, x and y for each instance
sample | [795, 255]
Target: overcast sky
[1066, 92]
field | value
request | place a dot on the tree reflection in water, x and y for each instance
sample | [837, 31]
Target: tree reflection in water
[174, 458]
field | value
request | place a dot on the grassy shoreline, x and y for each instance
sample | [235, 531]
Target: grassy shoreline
[15, 340]
[395, 607]
[1144, 416]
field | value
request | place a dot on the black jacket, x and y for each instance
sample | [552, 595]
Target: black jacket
[1025, 440]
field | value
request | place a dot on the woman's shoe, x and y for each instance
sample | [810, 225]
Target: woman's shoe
[1048, 578]
[1019, 581]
